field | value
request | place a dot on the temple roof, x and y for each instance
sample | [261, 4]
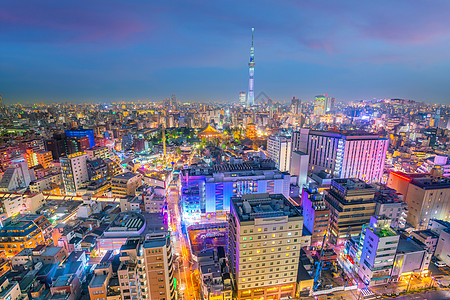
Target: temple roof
[209, 130]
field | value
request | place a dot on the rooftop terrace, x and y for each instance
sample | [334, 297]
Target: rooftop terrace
[250, 207]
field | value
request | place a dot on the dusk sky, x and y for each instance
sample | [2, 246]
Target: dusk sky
[105, 51]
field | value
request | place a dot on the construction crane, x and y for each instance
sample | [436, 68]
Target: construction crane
[319, 266]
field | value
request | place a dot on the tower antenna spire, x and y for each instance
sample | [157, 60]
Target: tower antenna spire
[251, 73]
[253, 30]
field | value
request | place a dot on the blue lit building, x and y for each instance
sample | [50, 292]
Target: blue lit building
[82, 133]
[207, 191]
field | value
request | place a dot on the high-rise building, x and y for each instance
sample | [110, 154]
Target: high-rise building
[351, 204]
[264, 242]
[251, 72]
[320, 105]
[427, 196]
[279, 150]
[208, 191]
[299, 167]
[378, 246]
[345, 154]
[146, 268]
[44, 158]
[74, 172]
[316, 215]
[300, 140]
[295, 106]
[329, 104]
[57, 145]
[242, 98]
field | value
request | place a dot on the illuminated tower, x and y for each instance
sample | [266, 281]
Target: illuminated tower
[251, 72]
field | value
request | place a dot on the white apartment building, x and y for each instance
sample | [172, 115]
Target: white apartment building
[74, 171]
[279, 150]
[379, 246]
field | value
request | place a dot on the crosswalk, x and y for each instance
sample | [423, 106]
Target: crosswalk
[367, 293]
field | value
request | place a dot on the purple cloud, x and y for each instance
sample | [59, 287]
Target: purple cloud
[50, 23]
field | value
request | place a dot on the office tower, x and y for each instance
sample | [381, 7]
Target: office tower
[351, 203]
[300, 140]
[125, 184]
[74, 171]
[427, 196]
[320, 105]
[44, 158]
[299, 167]
[295, 106]
[347, 154]
[17, 177]
[208, 190]
[146, 265]
[264, 241]
[242, 98]
[279, 150]
[251, 72]
[329, 104]
[378, 246]
[57, 145]
[316, 215]
[26, 231]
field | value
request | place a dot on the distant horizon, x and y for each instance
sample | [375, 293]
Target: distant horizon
[182, 101]
[59, 51]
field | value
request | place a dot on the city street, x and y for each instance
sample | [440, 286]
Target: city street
[430, 295]
[184, 273]
[354, 295]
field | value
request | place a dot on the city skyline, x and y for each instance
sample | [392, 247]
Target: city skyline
[54, 52]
